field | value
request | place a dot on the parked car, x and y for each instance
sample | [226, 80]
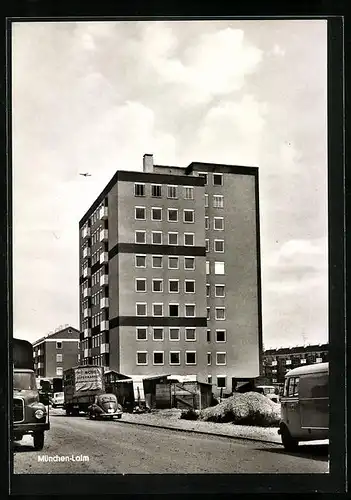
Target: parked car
[105, 406]
[305, 405]
[270, 391]
[58, 399]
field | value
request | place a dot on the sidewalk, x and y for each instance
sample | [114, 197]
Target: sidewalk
[169, 419]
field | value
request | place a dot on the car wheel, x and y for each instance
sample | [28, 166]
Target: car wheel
[38, 440]
[289, 443]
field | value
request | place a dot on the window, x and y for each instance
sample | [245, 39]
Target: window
[141, 358]
[157, 285]
[221, 358]
[219, 246]
[173, 286]
[156, 214]
[140, 261]
[172, 238]
[218, 223]
[188, 193]
[157, 309]
[140, 237]
[206, 200]
[156, 190]
[220, 290]
[173, 262]
[207, 245]
[221, 381]
[141, 333]
[172, 215]
[139, 189]
[59, 371]
[207, 226]
[174, 357]
[302, 361]
[189, 310]
[188, 216]
[173, 310]
[172, 192]
[218, 201]
[141, 309]
[190, 334]
[158, 357]
[209, 358]
[140, 213]
[204, 175]
[189, 239]
[157, 261]
[174, 334]
[140, 284]
[293, 387]
[207, 267]
[209, 379]
[208, 335]
[59, 358]
[219, 267]
[156, 238]
[208, 312]
[189, 263]
[189, 286]
[220, 313]
[158, 333]
[288, 361]
[208, 290]
[58, 345]
[220, 335]
[218, 179]
[190, 357]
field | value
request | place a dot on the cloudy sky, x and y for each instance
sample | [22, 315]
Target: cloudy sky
[95, 96]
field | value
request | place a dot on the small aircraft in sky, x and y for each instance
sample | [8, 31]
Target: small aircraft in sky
[86, 174]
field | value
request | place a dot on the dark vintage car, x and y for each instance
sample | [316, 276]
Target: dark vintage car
[105, 406]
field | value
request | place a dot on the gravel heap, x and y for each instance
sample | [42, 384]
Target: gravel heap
[250, 408]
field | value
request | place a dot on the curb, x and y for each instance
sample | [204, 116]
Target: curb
[210, 433]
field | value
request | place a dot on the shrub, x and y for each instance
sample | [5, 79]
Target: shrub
[249, 408]
[189, 415]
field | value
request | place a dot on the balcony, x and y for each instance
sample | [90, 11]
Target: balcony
[35, 354]
[103, 235]
[86, 272]
[86, 232]
[87, 332]
[87, 353]
[86, 252]
[104, 348]
[103, 303]
[86, 292]
[103, 214]
[86, 312]
[40, 365]
[40, 352]
[104, 326]
[104, 258]
[104, 280]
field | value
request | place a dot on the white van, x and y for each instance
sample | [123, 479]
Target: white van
[305, 405]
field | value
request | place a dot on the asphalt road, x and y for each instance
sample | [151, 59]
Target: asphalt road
[121, 448]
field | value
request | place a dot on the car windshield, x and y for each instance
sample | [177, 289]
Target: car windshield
[269, 390]
[107, 397]
[24, 381]
[58, 395]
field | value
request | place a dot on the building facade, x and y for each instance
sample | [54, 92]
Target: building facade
[277, 362]
[170, 273]
[56, 352]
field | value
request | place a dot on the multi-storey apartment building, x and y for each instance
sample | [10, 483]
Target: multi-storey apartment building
[56, 352]
[277, 362]
[170, 273]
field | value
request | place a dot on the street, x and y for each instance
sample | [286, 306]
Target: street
[122, 448]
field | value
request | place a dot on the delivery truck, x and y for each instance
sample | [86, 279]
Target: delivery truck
[30, 416]
[80, 386]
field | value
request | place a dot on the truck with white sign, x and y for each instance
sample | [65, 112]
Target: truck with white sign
[81, 384]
